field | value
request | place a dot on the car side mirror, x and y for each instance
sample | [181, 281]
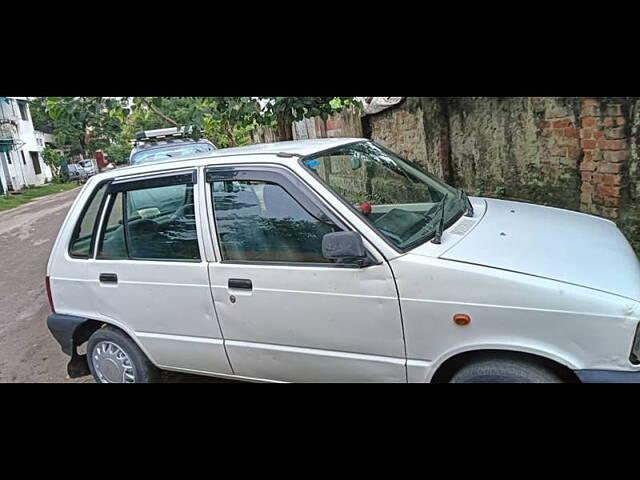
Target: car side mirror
[341, 245]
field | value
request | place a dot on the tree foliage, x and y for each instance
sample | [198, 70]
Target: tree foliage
[83, 125]
[54, 160]
[282, 111]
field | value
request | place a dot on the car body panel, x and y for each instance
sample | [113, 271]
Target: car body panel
[552, 243]
[330, 314]
[575, 326]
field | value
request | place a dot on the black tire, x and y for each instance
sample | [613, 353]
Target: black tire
[505, 370]
[143, 370]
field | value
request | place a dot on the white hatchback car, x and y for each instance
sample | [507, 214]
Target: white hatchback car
[334, 260]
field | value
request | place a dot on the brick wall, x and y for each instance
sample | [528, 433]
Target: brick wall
[605, 144]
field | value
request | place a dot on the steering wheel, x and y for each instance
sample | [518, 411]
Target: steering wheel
[185, 213]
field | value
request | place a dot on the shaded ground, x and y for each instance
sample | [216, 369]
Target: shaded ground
[28, 352]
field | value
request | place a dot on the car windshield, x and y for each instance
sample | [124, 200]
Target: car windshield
[170, 151]
[396, 197]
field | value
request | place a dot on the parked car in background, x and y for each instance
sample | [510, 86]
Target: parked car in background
[335, 260]
[75, 172]
[167, 144]
[89, 167]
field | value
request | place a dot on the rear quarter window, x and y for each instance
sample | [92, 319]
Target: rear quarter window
[81, 240]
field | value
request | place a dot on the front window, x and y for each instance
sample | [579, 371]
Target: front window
[397, 198]
[259, 221]
[170, 152]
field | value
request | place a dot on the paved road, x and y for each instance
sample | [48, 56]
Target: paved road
[28, 352]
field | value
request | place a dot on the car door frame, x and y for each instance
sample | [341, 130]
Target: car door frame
[166, 350]
[302, 192]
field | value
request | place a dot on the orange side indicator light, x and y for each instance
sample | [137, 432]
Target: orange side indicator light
[461, 319]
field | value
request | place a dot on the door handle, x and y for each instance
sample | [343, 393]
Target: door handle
[108, 278]
[242, 283]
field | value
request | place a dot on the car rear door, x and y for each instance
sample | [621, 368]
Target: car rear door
[288, 314]
[149, 275]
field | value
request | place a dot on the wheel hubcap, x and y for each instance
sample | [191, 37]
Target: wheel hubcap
[111, 364]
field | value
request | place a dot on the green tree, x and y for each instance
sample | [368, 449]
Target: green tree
[227, 120]
[83, 125]
[54, 160]
[223, 120]
[285, 110]
[39, 115]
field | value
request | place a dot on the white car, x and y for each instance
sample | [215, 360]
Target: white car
[334, 260]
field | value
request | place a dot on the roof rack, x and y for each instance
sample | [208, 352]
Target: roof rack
[161, 133]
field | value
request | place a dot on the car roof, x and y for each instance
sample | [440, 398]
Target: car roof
[294, 148]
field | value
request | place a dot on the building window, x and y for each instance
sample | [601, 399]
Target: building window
[36, 162]
[23, 111]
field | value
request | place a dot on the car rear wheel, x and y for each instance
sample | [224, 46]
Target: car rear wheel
[114, 358]
[505, 370]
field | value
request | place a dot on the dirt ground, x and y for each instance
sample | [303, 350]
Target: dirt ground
[28, 352]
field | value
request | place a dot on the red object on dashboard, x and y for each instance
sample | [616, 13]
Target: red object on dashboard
[366, 208]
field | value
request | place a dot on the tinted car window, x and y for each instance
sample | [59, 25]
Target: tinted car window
[112, 244]
[161, 223]
[158, 224]
[260, 221]
[83, 232]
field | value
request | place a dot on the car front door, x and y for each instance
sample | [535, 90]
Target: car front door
[287, 313]
[149, 273]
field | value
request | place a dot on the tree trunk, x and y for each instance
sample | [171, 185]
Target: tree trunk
[285, 131]
[230, 135]
[161, 115]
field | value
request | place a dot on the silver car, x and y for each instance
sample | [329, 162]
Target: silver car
[75, 172]
[166, 144]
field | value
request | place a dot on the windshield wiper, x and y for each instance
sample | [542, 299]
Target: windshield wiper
[465, 198]
[437, 239]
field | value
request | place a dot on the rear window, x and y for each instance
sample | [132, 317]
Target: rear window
[156, 223]
[81, 240]
[170, 152]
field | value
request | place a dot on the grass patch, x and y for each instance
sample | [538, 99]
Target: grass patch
[10, 201]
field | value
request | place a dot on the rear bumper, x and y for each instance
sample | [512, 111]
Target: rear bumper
[607, 376]
[70, 332]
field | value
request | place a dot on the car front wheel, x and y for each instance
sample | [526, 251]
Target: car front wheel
[114, 358]
[505, 370]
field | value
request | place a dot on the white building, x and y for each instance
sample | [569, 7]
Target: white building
[44, 139]
[21, 163]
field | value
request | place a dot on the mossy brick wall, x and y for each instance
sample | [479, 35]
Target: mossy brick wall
[578, 153]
